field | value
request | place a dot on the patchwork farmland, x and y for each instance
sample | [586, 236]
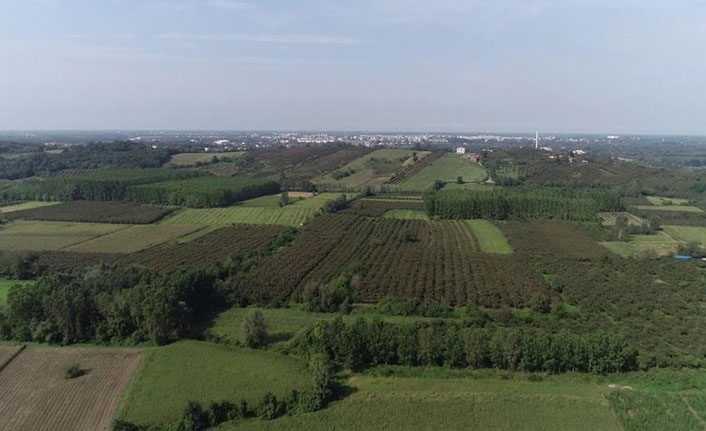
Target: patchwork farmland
[339, 287]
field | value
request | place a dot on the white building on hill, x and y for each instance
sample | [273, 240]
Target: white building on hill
[461, 150]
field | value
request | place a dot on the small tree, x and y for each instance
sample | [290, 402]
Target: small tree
[255, 329]
[459, 180]
[284, 199]
[72, 372]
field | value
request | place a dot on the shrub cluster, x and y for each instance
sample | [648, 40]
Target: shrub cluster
[109, 305]
[361, 344]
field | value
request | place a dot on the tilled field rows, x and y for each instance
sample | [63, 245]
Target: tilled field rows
[35, 396]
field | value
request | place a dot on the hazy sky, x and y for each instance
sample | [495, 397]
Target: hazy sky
[608, 66]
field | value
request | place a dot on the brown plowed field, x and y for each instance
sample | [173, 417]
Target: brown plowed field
[36, 397]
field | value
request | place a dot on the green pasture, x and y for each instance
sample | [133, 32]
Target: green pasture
[190, 159]
[49, 236]
[447, 169]
[687, 233]
[171, 376]
[660, 201]
[490, 238]
[641, 246]
[134, 239]
[25, 206]
[457, 403]
[672, 208]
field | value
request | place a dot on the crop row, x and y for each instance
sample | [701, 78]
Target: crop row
[432, 261]
[414, 168]
[207, 251]
[95, 212]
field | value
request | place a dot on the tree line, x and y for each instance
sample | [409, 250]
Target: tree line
[526, 202]
[93, 155]
[361, 344]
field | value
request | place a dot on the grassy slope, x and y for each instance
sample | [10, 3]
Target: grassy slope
[47, 236]
[25, 206]
[641, 245]
[448, 169]
[490, 237]
[364, 174]
[399, 403]
[170, 376]
[262, 212]
[687, 233]
[5, 286]
[134, 239]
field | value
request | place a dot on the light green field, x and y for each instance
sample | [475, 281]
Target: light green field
[448, 168]
[674, 208]
[25, 206]
[372, 169]
[284, 323]
[456, 403]
[406, 214]
[134, 239]
[659, 200]
[5, 286]
[687, 233]
[48, 236]
[641, 246]
[190, 159]
[291, 215]
[490, 237]
[171, 376]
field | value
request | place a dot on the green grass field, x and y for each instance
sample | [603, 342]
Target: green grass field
[5, 286]
[25, 206]
[134, 239]
[190, 159]
[372, 169]
[641, 246]
[448, 168]
[406, 214]
[687, 233]
[48, 236]
[171, 376]
[672, 208]
[660, 200]
[457, 403]
[490, 237]
[293, 214]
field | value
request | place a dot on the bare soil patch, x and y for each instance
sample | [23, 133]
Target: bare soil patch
[35, 395]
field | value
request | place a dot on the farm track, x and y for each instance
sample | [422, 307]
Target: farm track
[36, 397]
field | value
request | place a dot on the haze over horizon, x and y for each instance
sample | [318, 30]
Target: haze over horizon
[376, 65]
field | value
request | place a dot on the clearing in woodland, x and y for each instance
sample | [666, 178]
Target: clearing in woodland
[36, 396]
[490, 238]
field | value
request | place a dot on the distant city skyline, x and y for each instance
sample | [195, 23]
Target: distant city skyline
[508, 66]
